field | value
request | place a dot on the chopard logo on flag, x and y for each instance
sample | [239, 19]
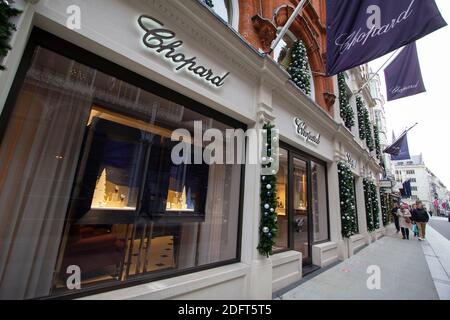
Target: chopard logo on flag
[347, 41]
[399, 89]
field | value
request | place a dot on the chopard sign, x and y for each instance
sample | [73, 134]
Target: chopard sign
[350, 160]
[301, 129]
[160, 39]
[359, 37]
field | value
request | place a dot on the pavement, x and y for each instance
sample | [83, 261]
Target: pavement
[409, 270]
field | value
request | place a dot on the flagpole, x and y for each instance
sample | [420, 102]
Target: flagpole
[374, 74]
[401, 136]
[287, 25]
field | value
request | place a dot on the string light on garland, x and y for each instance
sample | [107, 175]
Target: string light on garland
[6, 27]
[347, 200]
[268, 196]
[346, 110]
[299, 67]
[360, 108]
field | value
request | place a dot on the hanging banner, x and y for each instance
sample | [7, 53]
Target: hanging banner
[403, 75]
[359, 31]
[399, 150]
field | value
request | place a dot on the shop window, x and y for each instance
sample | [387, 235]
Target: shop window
[228, 10]
[281, 241]
[319, 202]
[300, 207]
[86, 180]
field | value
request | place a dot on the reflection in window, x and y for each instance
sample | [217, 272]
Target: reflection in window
[86, 179]
[224, 9]
[281, 240]
[300, 207]
[319, 202]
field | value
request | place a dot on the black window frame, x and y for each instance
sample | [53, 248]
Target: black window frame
[42, 38]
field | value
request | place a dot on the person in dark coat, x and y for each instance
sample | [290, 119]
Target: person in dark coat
[421, 217]
[394, 213]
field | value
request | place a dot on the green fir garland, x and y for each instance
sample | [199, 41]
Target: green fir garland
[375, 205]
[347, 200]
[360, 108]
[346, 110]
[376, 133]
[384, 208]
[368, 202]
[6, 28]
[368, 129]
[299, 67]
[372, 205]
[268, 222]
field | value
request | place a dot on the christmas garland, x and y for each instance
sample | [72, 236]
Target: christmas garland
[6, 28]
[372, 208]
[384, 209]
[377, 141]
[360, 108]
[268, 223]
[368, 130]
[347, 200]
[375, 205]
[368, 202]
[299, 67]
[347, 113]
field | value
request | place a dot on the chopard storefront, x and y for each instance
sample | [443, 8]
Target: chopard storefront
[92, 203]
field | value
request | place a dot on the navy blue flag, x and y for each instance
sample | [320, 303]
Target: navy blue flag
[399, 150]
[359, 31]
[407, 189]
[403, 74]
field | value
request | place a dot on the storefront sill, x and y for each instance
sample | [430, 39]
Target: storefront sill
[178, 286]
[285, 257]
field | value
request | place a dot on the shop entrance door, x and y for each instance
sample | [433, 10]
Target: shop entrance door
[300, 204]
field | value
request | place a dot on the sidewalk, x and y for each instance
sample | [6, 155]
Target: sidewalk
[404, 274]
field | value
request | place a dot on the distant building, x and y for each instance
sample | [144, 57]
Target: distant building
[425, 185]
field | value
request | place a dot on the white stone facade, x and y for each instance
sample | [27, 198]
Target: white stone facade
[256, 90]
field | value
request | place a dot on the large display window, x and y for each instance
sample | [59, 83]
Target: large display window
[87, 179]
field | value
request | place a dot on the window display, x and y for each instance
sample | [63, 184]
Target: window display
[87, 180]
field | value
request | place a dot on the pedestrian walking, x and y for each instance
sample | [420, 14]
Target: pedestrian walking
[394, 213]
[421, 217]
[404, 216]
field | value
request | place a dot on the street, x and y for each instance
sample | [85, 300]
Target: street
[441, 225]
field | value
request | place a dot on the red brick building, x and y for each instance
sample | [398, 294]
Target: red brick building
[259, 21]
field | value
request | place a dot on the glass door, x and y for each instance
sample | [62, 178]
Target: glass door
[300, 204]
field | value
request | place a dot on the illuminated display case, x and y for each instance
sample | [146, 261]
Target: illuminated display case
[129, 174]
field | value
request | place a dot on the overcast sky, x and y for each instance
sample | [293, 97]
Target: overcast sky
[431, 109]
